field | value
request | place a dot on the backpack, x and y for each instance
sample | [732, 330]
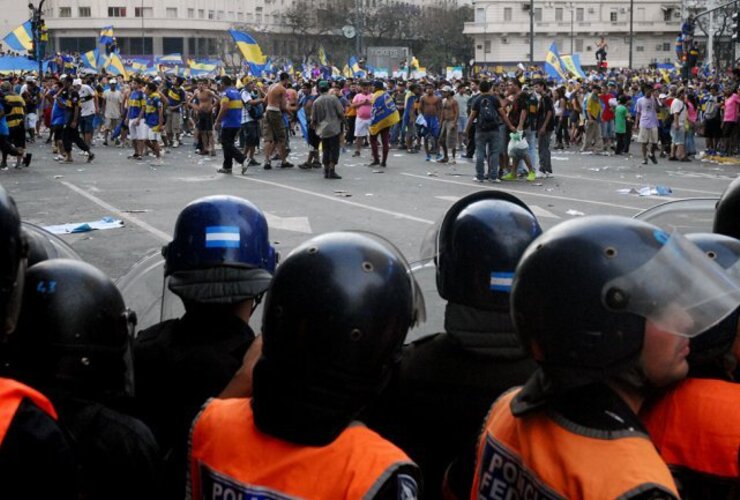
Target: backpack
[488, 117]
[255, 112]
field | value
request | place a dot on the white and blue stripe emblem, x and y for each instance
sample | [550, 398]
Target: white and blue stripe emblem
[501, 282]
[222, 237]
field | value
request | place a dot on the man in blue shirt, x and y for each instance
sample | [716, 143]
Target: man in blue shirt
[229, 119]
[153, 116]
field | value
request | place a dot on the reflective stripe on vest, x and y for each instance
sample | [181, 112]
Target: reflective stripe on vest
[12, 394]
[696, 425]
[535, 457]
[230, 457]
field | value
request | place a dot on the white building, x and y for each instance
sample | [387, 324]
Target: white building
[500, 30]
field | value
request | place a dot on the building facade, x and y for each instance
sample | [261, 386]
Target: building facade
[500, 30]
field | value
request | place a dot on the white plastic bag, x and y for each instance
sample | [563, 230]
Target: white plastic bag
[517, 143]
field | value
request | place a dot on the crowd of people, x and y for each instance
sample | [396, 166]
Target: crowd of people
[508, 124]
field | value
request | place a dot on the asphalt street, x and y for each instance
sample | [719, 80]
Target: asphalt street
[400, 202]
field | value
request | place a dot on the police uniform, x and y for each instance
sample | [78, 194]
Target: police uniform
[569, 450]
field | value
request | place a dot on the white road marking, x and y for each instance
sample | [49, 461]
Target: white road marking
[295, 224]
[542, 213]
[638, 183]
[529, 193]
[448, 198]
[398, 215]
[123, 215]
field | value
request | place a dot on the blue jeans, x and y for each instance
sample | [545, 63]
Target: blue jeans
[488, 146]
[531, 137]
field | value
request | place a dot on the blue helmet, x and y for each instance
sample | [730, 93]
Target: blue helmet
[221, 251]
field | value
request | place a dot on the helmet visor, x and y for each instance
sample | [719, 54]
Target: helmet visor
[680, 289]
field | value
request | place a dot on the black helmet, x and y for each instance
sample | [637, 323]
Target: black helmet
[718, 340]
[13, 252]
[335, 319]
[43, 245]
[479, 243]
[584, 290]
[75, 332]
[727, 216]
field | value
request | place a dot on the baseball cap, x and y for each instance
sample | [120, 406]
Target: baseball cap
[113, 81]
[77, 81]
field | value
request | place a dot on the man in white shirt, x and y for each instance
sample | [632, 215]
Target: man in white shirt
[680, 115]
[88, 110]
[112, 100]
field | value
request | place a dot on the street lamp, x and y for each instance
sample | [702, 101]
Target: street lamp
[572, 8]
[531, 32]
[37, 34]
[632, 8]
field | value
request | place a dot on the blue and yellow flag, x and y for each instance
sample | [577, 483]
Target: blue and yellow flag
[202, 66]
[573, 65]
[553, 64]
[90, 59]
[21, 38]
[170, 59]
[114, 66]
[249, 48]
[136, 65]
[414, 64]
[106, 35]
[355, 67]
[385, 113]
[323, 60]
[346, 72]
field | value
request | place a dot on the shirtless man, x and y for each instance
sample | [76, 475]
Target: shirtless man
[431, 106]
[274, 128]
[203, 101]
[448, 134]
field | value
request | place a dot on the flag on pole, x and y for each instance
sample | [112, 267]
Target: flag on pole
[21, 38]
[115, 66]
[355, 67]
[202, 66]
[90, 59]
[323, 61]
[573, 65]
[106, 35]
[170, 59]
[249, 48]
[553, 65]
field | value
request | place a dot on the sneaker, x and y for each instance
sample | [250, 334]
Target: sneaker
[286, 164]
[304, 166]
[224, 171]
[105, 143]
[511, 176]
[374, 163]
[428, 158]
[382, 164]
[478, 180]
[253, 163]
[532, 176]
[245, 166]
[332, 175]
[653, 159]
[91, 157]
[644, 161]
[267, 166]
[443, 160]
[27, 159]
[133, 157]
[496, 180]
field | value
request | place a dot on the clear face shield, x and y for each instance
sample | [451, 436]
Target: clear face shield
[680, 290]
[128, 355]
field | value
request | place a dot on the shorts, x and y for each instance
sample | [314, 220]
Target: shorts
[518, 155]
[678, 135]
[462, 122]
[607, 129]
[87, 124]
[112, 123]
[273, 126]
[57, 131]
[18, 137]
[648, 135]
[205, 121]
[136, 132]
[448, 135]
[251, 133]
[432, 127]
[150, 134]
[31, 119]
[173, 125]
[362, 127]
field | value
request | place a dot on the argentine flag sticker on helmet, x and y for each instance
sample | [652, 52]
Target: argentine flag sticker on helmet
[222, 237]
[501, 282]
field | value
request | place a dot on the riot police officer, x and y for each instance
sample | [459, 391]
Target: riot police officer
[35, 458]
[448, 381]
[219, 264]
[335, 318]
[703, 408]
[727, 216]
[75, 343]
[607, 306]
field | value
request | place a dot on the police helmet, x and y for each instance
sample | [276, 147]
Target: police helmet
[584, 290]
[75, 332]
[220, 252]
[480, 241]
[13, 250]
[727, 216]
[718, 340]
[43, 245]
[335, 319]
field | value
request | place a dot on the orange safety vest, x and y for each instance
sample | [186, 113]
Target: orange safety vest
[536, 457]
[696, 425]
[231, 458]
[12, 394]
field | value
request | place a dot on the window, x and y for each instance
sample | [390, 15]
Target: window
[220, 15]
[558, 13]
[667, 47]
[191, 13]
[211, 14]
[147, 12]
[240, 16]
[640, 14]
[201, 14]
[579, 14]
[65, 11]
[667, 14]
[116, 11]
[171, 12]
[480, 15]
[82, 44]
[250, 17]
[538, 14]
[85, 12]
[172, 45]
[579, 45]
[613, 16]
[487, 47]
[507, 13]
[640, 48]
[258, 14]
